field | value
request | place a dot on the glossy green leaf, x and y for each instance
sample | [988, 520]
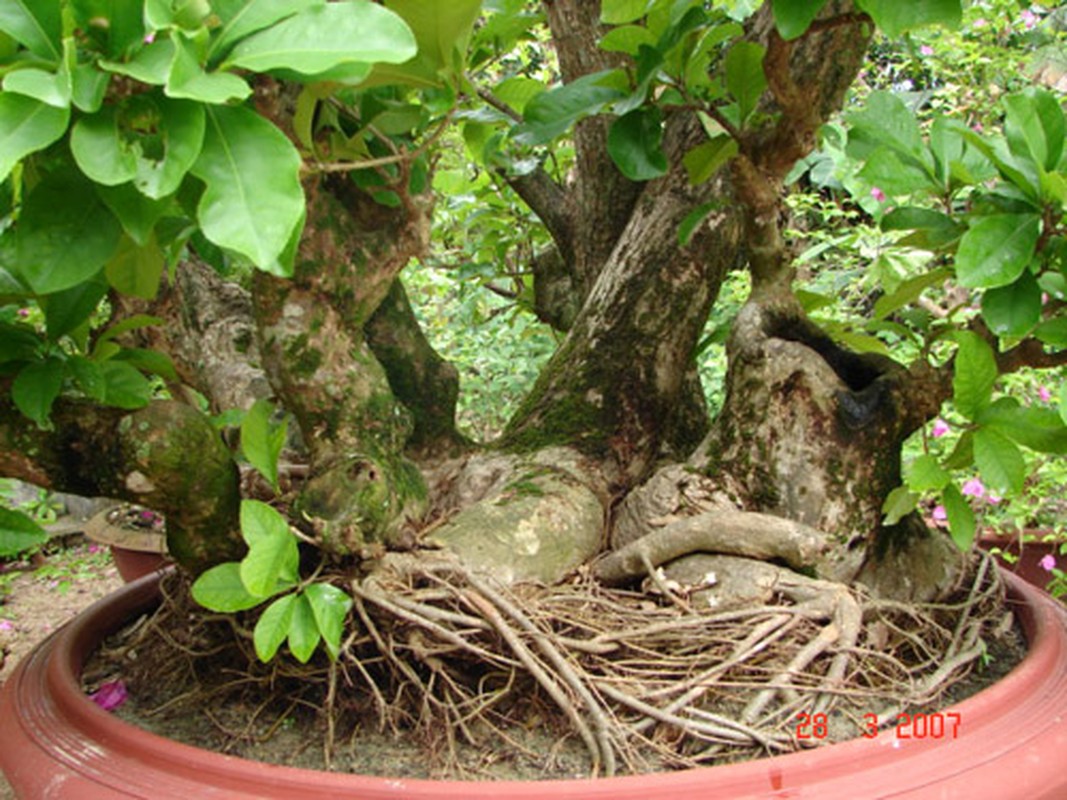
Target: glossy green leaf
[34, 23]
[273, 558]
[18, 533]
[925, 473]
[996, 249]
[64, 311]
[1034, 127]
[744, 76]
[1063, 403]
[552, 113]
[113, 26]
[1038, 429]
[135, 269]
[705, 159]
[65, 234]
[145, 360]
[151, 64]
[442, 34]
[325, 36]
[88, 86]
[961, 522]
[245, 208]
[635, 143]
[999, 461]
[1013, 310]
[221, 589]
[181, 126]
[932, 229]
[900, 502]
[36, 388]
[126, 324]
[18, 343]
[908, 292]
[896, 17]
[137, 213]
[792, 18]
[26, 126]
[88, 377]
[100, 151]
[124, 386]
[262, 440]
[304, 635]
[330, 606]
[1053, 332]
[48, 87]
[693, 220]
[620, 12]
[628, 39]
[272, 627]
[974, 374]
[897, 174]
[187, 80]
[241, 18]
[886, 121]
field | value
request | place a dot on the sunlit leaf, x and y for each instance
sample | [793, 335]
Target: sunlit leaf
[975, 372]
[635, 143]
[996, 249]
[330, 606]
[272, 628]
[18, 533]
[26, 126]
[221, 589]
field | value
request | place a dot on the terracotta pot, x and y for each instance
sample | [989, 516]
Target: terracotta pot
[1010, 741]
[1028, 555]
[136, 553]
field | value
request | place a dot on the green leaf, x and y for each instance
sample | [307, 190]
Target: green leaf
[704, 160]
[896, 18]
[933, 230]
[1034, 127]
[744, 76]
[1063, 403]
[26, 126]
[88, 377]
[693, 220]
[272, 628]
[898, 504]
[627, 39]
[975, 372]
[330, 606]
[34, 23]
[243, 17]
[924, 474]
[325, 36]
[1053, 332]
[1013, 310]
[151, 361]
[18, 533]
[100, 151]
[88, 87]
[794, 17]
[151, 64]
[262, 441]
[113, 26]
[64, 235]
[620, 12]
[961, 523]
[999, 461]
[130, 323]
[908, 292]
[137, 213]
[996, 249]
[187, 80]
[136, 269]
[48, 87]
[36, 388]
[221, 589]
[896, 174]
[1039, 429]
[886, 121]
[635, 143]
[64, 311]
[304, 635]
[181, 129]
[273, 558]
[442, 35]
[552, 113]
[124, 386]
[245, 208]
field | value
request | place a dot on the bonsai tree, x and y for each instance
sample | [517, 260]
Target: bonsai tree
[151, 149]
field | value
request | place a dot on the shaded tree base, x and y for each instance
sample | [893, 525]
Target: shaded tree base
[636, 680]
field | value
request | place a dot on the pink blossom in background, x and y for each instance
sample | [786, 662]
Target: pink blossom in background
[977, 127]
[939, 514]
[940, 428]
[1044, 394]
[24, 312]
[95, 548]
[878, 194]
[1029, 18]
[110, 695]
[993, 499]
[980, 23]
[926, 50]
[1048, 562]
[973, 488]
[5, 625]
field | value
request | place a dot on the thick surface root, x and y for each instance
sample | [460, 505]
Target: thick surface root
[641, 680]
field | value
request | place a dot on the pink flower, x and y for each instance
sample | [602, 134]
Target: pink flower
[24, 312]
[110, 695]
[973, 488]
[940, 428]
[1029, 18]
[878, 194]
[1048, 562]
[5, 625]
[980, 23]
[95, 548]
[150, 37]
[993, 499]
[1044, 394]
[926, 50]
[977, 127]
[939, 514]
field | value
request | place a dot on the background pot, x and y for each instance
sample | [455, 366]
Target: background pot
[136, 552]
[56, 743]
[1028, 554]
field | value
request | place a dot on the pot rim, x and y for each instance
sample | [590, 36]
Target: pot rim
[1002, 749]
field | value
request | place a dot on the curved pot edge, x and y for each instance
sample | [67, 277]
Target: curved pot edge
[85, 761]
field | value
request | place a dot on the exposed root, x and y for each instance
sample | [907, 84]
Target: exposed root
[458, 660]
